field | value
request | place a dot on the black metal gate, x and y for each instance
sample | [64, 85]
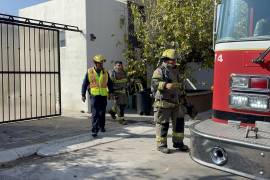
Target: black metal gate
[29, 69]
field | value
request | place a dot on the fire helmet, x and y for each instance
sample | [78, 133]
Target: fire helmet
[99, 58]
[169, 54]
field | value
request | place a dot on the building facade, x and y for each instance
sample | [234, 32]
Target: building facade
[104, 26]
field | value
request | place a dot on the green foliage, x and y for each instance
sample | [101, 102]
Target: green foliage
[182, 24]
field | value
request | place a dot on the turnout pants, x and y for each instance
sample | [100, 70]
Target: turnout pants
[98, 108]
[119, 109]
[162, 118]
[119, 105]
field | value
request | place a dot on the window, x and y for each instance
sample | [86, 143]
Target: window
[243, 20]
[234, 23]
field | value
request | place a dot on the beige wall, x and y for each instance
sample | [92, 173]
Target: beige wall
[103, 20]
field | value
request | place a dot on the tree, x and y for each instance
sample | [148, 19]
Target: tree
[182, 24]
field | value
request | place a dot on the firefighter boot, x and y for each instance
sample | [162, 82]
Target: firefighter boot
[112, 113]
[164, 149]
[181, 147]
[122, 121]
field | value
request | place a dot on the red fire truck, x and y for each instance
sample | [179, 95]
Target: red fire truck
[237, 138]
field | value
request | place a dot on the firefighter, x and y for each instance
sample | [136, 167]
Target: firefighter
[167, 88]
[99, 85]
[262, 27]
[119, 97]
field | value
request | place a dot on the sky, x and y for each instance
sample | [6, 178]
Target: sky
[12, 7]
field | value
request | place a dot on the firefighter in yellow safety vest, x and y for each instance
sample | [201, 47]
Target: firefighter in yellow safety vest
[99, 86]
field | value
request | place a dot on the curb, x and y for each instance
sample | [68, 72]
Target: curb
[17, 153]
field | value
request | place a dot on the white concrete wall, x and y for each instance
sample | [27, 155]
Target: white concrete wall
[74, 55]
[103, 20]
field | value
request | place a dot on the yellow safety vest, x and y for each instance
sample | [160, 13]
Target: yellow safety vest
[98, 83]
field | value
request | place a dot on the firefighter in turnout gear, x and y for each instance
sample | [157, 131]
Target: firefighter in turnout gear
[119, 96]
[99, 85]
[167, 88]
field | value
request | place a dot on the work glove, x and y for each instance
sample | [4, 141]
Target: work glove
[172, 85]
[169, 86]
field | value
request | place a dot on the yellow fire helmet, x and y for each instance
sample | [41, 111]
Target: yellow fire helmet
[99, 58]
[169, 53]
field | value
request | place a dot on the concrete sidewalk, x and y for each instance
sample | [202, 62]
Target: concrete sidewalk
[57, 135]
[70, 132]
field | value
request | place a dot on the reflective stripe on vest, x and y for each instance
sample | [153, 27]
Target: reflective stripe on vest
[120, 81]
[98, 83]
[120, 91]
[164, 104]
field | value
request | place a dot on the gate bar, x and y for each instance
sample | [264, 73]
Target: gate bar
[22, 20]
[2, 61]
[8, 75]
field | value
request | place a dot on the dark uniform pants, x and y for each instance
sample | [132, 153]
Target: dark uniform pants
[162, 118]
[98, 108]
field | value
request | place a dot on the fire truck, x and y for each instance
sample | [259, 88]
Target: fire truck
[237, 137]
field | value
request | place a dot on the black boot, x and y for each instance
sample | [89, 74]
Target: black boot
[122, 121]
[181, 147]
[113, 114]
[103, 129]
[94, 134]
[164, 150]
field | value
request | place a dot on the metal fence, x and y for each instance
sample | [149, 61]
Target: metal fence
[29, 72]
